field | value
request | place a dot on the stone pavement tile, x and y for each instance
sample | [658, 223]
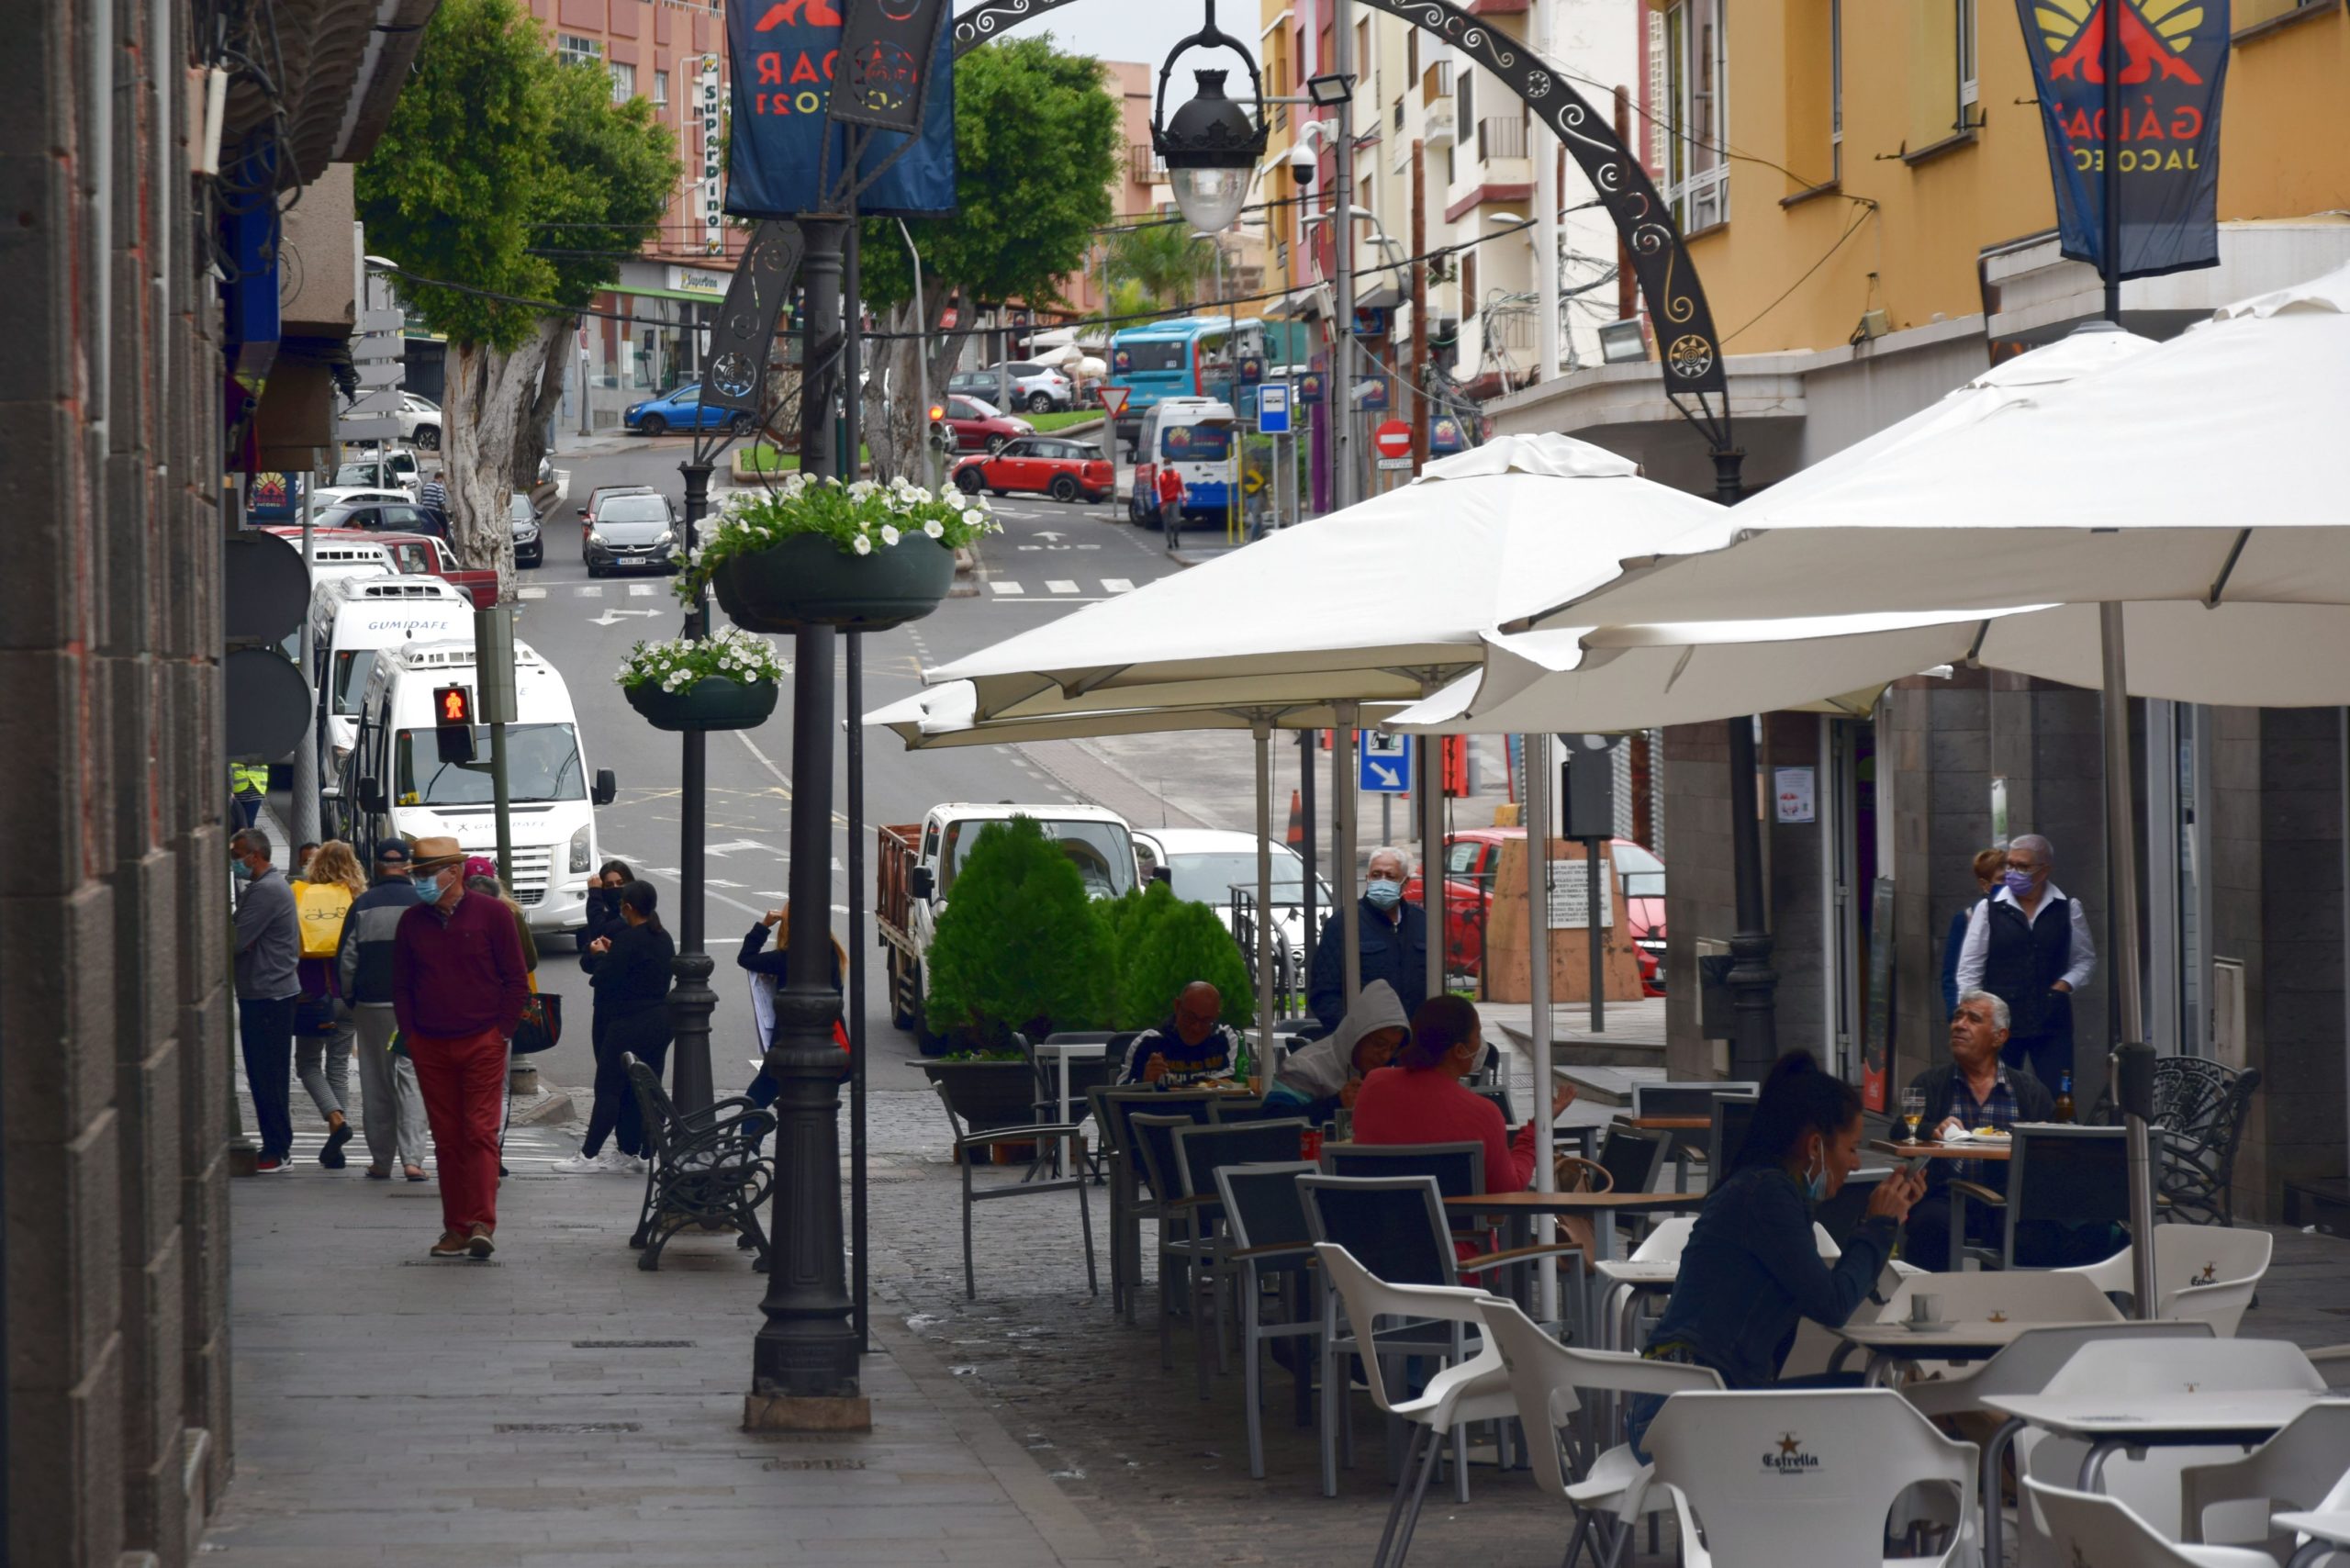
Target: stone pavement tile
[393, 1409]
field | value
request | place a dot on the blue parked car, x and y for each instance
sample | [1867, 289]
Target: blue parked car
[683, 409]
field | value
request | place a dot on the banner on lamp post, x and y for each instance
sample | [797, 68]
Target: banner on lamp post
[888, 45]
[784, 146]
[2165, 146]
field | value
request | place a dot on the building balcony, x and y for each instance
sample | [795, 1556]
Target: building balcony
[1437, 127]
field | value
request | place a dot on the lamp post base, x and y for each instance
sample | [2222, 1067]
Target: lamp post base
[787, 1413]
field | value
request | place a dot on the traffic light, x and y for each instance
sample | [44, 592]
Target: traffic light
[453, 721]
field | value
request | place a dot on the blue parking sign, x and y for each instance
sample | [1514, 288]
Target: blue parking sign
[1272, 409]
[1386, 763]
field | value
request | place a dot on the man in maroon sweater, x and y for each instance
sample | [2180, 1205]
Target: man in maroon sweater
[458, 990]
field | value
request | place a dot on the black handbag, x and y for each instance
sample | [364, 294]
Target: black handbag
[314, 1015]
[542, 1027]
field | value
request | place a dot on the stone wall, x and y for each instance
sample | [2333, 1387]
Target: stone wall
[113, 951]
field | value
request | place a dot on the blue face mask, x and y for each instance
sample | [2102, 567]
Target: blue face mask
[1815, 1183]
[1383, 892]
[427, 885]
[2017, 882]
[240, 870]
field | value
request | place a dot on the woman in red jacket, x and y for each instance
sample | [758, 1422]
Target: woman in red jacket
[1421, 1099]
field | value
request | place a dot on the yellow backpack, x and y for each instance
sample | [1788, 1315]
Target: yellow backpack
[319, 908]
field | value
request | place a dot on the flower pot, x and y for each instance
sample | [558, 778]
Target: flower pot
[810, 581]
[713, 702]
[986, 1094]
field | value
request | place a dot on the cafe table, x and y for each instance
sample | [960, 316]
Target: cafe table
[1516, 1212]
[1889, 1345]
[1928, 1150]
[1676, 1125]
[2170, 1418]
[1064, 1051]
[2328, 1530]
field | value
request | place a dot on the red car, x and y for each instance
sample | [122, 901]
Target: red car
[1065, 470]
[424, 554]
[1472, 856]
[977, 427]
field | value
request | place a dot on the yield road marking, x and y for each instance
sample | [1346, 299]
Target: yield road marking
[1007, 587]
[531, 593]
[1060, 585]
[1118, 584]
[640, 590]
[739, 844]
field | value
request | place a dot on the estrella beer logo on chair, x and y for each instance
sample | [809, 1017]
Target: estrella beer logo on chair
[1790, 1456]
[2164, 137]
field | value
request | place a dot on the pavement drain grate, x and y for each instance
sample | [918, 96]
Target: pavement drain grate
[568, 1426]
[813, 1464]
[631, 1344]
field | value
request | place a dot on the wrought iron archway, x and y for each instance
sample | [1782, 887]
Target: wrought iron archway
[1688, 350]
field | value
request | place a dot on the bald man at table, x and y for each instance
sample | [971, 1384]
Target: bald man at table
[1973, 1089]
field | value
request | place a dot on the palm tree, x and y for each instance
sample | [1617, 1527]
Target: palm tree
[1166, 261]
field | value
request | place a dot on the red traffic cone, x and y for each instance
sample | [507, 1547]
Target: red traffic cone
[1296, 819]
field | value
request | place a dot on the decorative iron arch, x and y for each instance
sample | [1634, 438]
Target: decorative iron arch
[1689, 352]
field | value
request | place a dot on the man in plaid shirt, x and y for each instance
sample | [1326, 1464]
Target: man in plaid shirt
[1973, 1089]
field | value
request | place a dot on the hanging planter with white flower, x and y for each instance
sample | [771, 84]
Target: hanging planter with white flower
[725, 682]
[865, 556]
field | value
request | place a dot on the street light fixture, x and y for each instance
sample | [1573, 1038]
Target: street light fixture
[1330, 91]
[1623, 342]
[1212, 144]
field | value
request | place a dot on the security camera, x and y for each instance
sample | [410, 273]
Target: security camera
[1302, 165]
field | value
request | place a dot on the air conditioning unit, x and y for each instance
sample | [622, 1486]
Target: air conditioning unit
[2228, 1027]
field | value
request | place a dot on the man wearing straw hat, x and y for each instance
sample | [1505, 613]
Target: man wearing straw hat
[459, 989]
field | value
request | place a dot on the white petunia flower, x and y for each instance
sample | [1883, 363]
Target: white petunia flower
[933, 528]
[888, 534]
[863, 546]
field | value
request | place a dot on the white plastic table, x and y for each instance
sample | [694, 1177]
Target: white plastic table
[2110, 1421]
[2328, 1531]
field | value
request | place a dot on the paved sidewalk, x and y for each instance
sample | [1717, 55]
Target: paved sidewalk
[557, 1406]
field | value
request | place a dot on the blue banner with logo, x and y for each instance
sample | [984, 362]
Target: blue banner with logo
[2165, 146]
[784, 54]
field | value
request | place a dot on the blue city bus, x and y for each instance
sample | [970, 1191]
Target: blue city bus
[1190, 357]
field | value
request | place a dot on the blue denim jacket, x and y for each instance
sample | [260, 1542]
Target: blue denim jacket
[1752, 1269]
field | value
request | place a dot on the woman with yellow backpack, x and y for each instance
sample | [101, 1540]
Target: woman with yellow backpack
[322, 1025]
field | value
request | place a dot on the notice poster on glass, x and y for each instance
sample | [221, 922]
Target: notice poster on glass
[1571, 895]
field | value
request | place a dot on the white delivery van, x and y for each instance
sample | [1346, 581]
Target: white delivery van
[395, 781]
[351, 620]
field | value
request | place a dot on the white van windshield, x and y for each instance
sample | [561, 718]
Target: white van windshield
[1102, 853]
[542, 764]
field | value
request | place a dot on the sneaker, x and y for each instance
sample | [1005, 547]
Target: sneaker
[478, 1243]
[450, 1245]
[268, 1165]
[332, 1155]
[636, 1165]
[586, 1164]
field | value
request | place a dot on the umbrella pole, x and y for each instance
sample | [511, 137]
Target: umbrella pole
[1429, 749]
[1538, 945]
[1264, 735]
[2132, 1060]
[1343, 799]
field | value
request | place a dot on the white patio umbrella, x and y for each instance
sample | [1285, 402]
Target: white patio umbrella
[2196, 480]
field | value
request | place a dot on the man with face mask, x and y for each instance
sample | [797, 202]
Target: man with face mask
[1392, 937]
[2029, 946]
[268, 956]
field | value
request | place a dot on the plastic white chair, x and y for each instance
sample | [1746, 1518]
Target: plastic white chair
[1803, 1476]
[2206, 1272]
[2119, 1367]
[2018, 1295]
[2299, 1469]
[1614, 1493]
[1475, 1389]
[2097, 1531]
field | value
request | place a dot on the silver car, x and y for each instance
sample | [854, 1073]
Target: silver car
[1039, 389]
[630, 533]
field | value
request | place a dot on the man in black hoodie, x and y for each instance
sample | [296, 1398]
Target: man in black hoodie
[392, 1111]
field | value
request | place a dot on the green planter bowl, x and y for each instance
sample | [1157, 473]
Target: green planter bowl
[986, 1094]
[713, 702]
[810, 581]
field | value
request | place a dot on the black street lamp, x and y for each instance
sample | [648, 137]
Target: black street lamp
[1213, 145]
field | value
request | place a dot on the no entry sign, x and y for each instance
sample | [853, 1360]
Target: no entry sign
[1393, 439]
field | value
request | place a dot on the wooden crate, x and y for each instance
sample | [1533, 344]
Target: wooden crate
[1507, 971]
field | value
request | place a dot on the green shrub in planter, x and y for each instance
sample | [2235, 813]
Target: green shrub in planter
[1171, 942]
[1020, 945]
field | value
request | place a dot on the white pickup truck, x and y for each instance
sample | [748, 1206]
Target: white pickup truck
[916, 864]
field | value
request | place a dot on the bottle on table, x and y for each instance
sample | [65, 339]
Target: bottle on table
[2065, 1097]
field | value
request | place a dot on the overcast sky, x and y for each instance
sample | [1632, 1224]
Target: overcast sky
[1130, 29]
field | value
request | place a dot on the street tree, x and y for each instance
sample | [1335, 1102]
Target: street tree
[1168, 266]
[1037, 143]
[508, 188]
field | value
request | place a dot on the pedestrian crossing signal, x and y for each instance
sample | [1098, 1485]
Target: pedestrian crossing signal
[453, 713]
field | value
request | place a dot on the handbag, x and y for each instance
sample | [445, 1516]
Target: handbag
[314, 1015]
[542, 1025]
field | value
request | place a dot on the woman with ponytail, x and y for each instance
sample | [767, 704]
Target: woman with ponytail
[1752, 1270]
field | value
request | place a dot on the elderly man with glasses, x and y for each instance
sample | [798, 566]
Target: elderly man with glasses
[1391, 936]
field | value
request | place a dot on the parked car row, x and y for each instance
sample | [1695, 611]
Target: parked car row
[1039, 389]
